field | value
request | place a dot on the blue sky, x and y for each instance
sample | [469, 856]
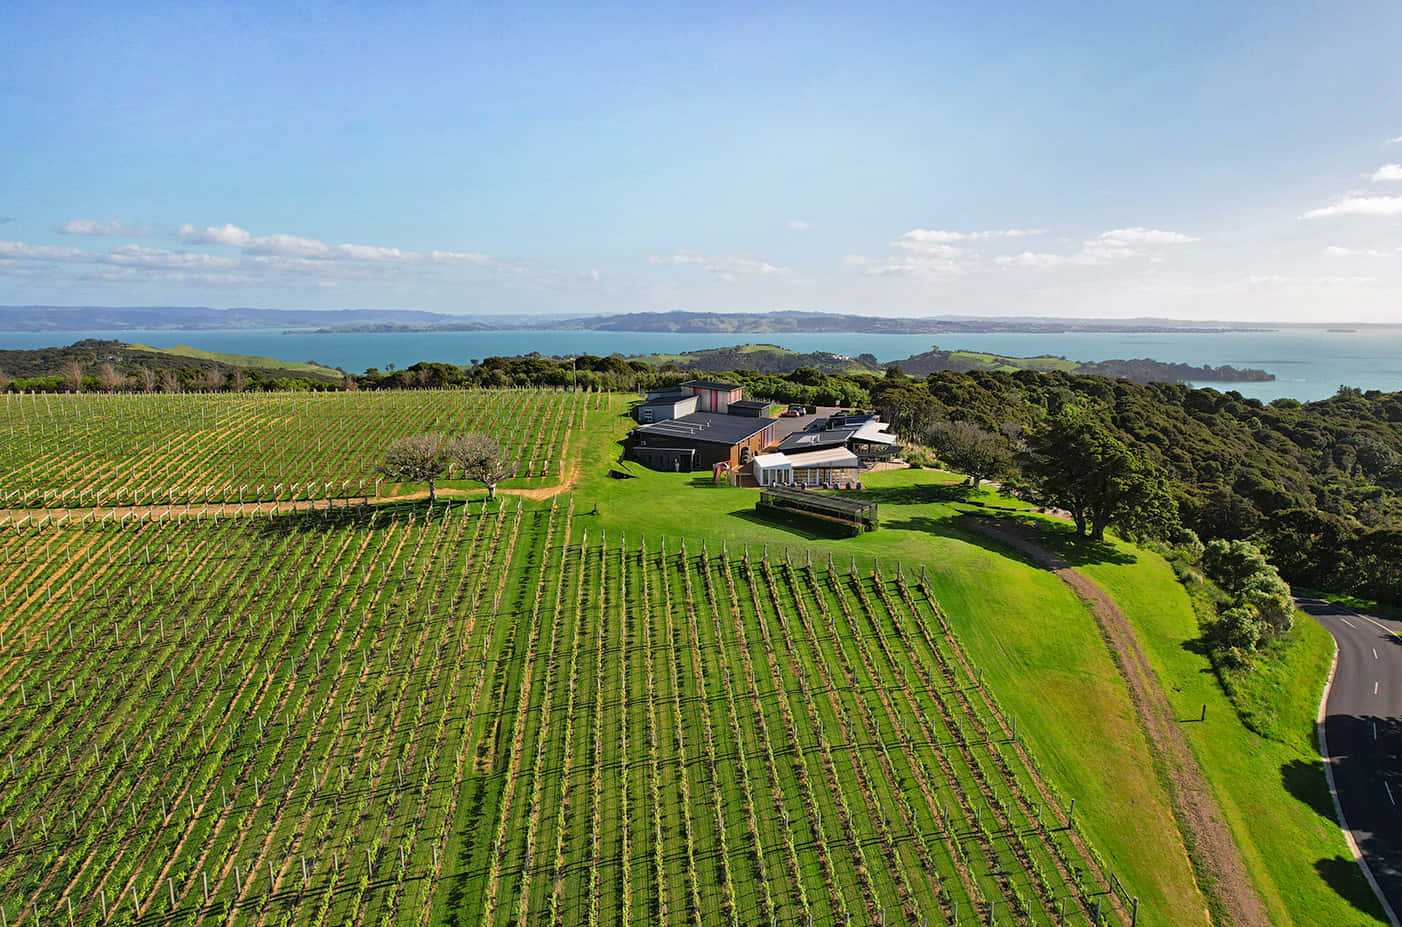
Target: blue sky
[1098, 159]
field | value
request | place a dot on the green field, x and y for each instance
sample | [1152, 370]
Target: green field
[248, 360]
[80, 450]
[633, 702]
[493, 717]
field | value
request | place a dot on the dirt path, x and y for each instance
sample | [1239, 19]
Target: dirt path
[263, 508]
[1217, 862]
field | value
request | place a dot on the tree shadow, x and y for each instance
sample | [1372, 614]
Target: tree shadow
[1346, 879]
[959, 529]
[1202, 647]
[1304, 779]
[918, 494]
[792, 524]
[1075, 549]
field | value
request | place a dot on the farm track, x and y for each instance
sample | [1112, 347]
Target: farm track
[1217, 861]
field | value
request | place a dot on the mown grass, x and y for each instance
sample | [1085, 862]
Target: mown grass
[1270, 785]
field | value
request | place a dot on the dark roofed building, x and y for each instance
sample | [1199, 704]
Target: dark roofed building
[864, 435]
[753, 408]
[715, 438]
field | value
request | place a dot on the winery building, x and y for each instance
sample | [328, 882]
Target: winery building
[701, 440]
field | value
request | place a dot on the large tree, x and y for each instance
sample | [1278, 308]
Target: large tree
[1075, 463]
[481, 457]
[416, 459]
[982, 454]
[108, 378]
[73, 376]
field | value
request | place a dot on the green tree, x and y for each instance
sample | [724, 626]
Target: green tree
[1244, 573]
[1075, 463]
[982, 454]
[416, 459]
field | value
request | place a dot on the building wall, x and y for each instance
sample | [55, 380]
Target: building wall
[715, 400]
[661, 411]
[709, 454]
[815, 476]
[756, 443]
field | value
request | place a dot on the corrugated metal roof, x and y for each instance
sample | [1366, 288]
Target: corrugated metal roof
[709, 427]
[828, 457]
[874, 432]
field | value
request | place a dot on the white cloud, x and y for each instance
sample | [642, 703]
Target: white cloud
[1340, 251]
[1282, 280]
[461, 257]
[159, 258]
[1387, 172]
[263, 258]
[1104, 249]
[924, 266]
[1142, 236]
[283, 245]
[133, 256]
[799, 225]
[726, 267]
[114, 228]
[1032, 259]
[1355, 204]
[19, 251]
[924, 239]
[1114, 245]
[225, 234]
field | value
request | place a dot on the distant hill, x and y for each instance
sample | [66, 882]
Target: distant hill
[165, 318]
[772, 359]
[125, 358]
[763, 358]
[1140, 370]
[788, 321]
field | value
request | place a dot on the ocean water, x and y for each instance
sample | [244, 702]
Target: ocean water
[1308, 363]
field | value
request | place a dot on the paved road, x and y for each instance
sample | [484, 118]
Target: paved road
[1363, 737]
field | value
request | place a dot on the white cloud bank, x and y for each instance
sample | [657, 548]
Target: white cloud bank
[1387, 172]
[262, 258]
[725, 267]
[110, 229]
[1357, 204]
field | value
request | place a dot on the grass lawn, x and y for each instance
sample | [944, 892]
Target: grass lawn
[1037, 645]
[1271, 788]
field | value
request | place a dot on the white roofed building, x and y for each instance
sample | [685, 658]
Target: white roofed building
[833, 466]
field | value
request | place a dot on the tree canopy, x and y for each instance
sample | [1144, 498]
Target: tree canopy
[982, 454]
[416, 459]
[1075, 463]
[482, 458]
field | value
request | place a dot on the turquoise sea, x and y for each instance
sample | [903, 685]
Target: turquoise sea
[1308, 363]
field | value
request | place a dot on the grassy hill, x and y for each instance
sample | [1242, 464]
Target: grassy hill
[47, 368]
[772, 359]
[246, 361]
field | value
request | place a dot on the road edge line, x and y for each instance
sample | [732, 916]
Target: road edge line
[1334, 792]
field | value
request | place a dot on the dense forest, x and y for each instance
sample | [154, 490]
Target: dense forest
[1317, 485]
